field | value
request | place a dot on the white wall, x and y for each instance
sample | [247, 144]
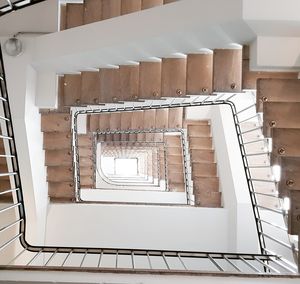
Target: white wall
[41, 17]
[139, 196]
[21, 83]
[127, 226]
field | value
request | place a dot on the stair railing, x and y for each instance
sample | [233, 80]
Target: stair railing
[76, 160]
[10, 5]
[54, 258]
[144, 145]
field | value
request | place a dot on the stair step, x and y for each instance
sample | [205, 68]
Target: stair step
[204, 169]
[129, 82]
[188, 122]
[85, 140]
[285, 142]
[199, 74]
[104, 121]
[177, 187]
[90, 88]
[280, 115]
[175, 178]
[74, 15]
[93, 123]
[150, 80]
[204, 156]
[55, 122]
[199, 131]
[59, 174]
[61, 190]
[86, 171]
[110, 85]
[92, 11]
[251, 78]
[57, 157]
[173, 77]
[272, 90]
[111, 9]
[173, 141]
[85, 151]
[173, 160]
[86, 161]
[174, 151]
[162, 116]
[72, 89]
[227, 70]
[290, 175]
[294, 213]
[175, 117]
[86, 181]
[57, 140]
[203, 184]
[208, 199]
[200, 143]
[146, 4]
[175, 168]
[130, 6]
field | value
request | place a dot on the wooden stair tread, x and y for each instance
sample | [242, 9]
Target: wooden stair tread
[280, 115]
[204, 169]
[61, 190]
[74, 15]
[290, 175]
[92, 11]
[208, 199]
[130, 6]
[58, 157]
[200, 143]
[90, 88]
[199, 130]
[173, 78]
[199, 74]
[59, 174]
[205, 184]
[57, 140]
[294, 213]
[175, 118]
[55, 122]
[146, 4]
[277, 90]
[198, 155]
[227, 70]
[285, 142]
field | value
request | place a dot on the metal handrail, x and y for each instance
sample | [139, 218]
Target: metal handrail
[259, 263]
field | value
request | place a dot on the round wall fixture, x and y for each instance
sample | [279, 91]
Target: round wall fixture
[13, 47]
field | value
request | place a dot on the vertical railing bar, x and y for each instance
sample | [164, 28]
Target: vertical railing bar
[10, 225]
[266, 265]
[100, 259]
[165, 260]
[9, 191]
[82, 261]
[117, 255]
[249, 264]
[19, 254]
[232, 264]
[51, 257]
[65, 260]
[282, 259]
[181, 261]
[214, 262]
[35, 256]
[284, 266]
[132, 260]
[149, 260]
